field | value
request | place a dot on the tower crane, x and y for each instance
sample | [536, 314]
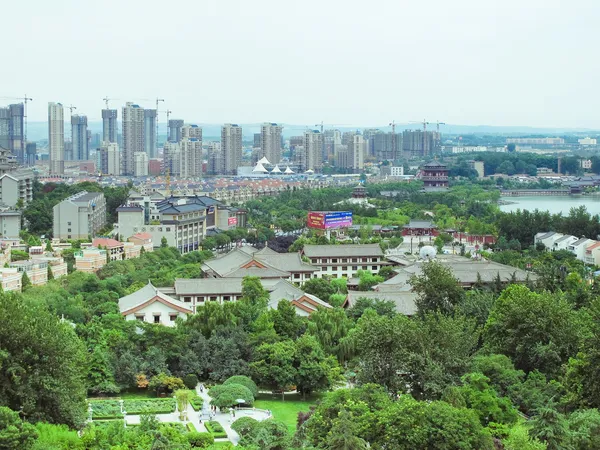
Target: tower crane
[24, 99]
[106, 99]
[424, 123]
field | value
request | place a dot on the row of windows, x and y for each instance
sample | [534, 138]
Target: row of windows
[156, 317]
[343, 260]
[324, 269]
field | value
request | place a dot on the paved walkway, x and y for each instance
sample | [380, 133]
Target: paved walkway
[224, 418]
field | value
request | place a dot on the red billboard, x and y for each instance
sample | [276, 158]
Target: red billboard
[232, 221]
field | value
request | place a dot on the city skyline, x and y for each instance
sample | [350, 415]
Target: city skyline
[464, 62]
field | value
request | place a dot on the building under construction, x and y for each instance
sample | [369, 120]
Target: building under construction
[419, 144]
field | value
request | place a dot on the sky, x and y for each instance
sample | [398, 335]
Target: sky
[343, 62]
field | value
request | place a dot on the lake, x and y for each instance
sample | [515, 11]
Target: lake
[559, 204]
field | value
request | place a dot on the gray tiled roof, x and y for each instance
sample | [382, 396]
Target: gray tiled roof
[564, 238]
[143, 295]
[546, 235]
[350, 250]
[207, 286]
[579, 242]
[404, 301]
[269, 272]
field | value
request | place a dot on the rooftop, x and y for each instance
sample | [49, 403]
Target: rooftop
[344, 250]
[146, 295]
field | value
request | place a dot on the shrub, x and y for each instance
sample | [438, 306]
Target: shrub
[244, 381]
[215, 429]
[106, 409]
[200, 440]
[150, 406]
[190, 381]
[191, 427]
[244, 425]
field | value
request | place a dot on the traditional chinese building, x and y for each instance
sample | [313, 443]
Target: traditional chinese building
[420, 228]
[434, 175]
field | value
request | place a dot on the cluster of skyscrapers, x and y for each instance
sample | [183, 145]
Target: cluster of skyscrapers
[12, 134]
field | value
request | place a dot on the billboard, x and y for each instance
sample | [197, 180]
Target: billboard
[232, 221]
[328, 220]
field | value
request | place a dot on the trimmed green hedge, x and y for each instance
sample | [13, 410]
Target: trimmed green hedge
[215, 429]
[111, 409]
[191, 428]
[197, 403]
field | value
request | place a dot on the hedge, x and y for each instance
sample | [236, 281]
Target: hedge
[215, 429]
[200, 440]
[197, 403]
[191, 428]
[111, 409]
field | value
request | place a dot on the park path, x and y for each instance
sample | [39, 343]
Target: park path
[199, 417]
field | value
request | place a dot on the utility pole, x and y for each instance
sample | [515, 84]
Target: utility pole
[156, 144]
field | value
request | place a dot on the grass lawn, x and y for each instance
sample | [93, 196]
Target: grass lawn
[286, 411]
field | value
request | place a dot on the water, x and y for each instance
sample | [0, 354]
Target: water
[559, 204]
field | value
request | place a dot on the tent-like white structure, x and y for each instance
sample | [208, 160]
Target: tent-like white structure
[264, 160]
[288, 171]
[310, 171]
[259, 168]
[276, 169]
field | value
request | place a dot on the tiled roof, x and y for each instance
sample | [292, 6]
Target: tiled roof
[146, 294]
[319, 251]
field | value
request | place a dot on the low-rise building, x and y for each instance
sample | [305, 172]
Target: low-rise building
[114, 248]
[10, 279]
[420, 228]
[90, 260]
[10, 223]
[579, 247]
[592, 254]
[564, 242]
[37, 271]
[344, 260]
[144, 240]
[57, 265]
[148, 304]
[16, 185]
[131, 250]
[79, 216]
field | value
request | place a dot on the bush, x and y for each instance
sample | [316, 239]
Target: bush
[197, 403]
[200, 440]
[225, 395]
[191, 427]
[244, 381]
[106, 409]
[150, 406]
[215, 429]
[190, 381]
[244, 425]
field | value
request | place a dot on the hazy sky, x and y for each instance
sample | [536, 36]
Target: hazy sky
[525, 62]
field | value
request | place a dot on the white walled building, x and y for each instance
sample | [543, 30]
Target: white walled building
[397, 171]
[10, 223]
[271, 142]
[579, 247]
[140, 164]
[152, 306]
[231, 149]
[190, 161]
[358, 149]
[79, 216]
[587, 141]
[56, 138]
[133, 136]
[340, 261]
[313, 149]
[16, 185]
[109, 159]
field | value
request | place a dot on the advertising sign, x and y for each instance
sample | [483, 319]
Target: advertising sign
[328, 220]
[232, 221]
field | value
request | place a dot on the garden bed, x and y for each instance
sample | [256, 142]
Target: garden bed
[111, 409]
[215, 428]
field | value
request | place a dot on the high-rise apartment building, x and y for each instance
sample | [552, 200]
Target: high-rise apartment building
[133, 136]
[342, 157]
[385, 146]
[109, 159]
[79, 138]
[11, 130]
[357, 150]
[175, 130]
[231, 147]
[191, 152]
[216, 162]
[331, 139]
[56, 138]
[30, 154]
[150, 133]
[172, 158]
[109, 125]
[313, 146]
[271, 142]
[416, 144]
[140, 164]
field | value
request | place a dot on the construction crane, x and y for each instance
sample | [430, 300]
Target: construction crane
[106, 99]
[168, 111]
[24, 99]
[424, 123]
[156, 143]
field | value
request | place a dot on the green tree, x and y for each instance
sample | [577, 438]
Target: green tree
[273, 366]
[437, 289]
[286, 322]
[537, 331]
[268, 435]
[552, 428]
[51, 387]
[331, 327]
[244, 381]
[226, 395]
[319, 287]
[342, 435]
[25, 281]
[14, 433]
[163, 242]
[314, 370]
[381, 307]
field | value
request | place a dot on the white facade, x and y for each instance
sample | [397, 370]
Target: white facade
[231, 148]
[16, 185]
[579, 247]
[56, 138]
[536, 141]
[140, 167]
[469, 149]
[358, 148]
[133, 136]
[587, 141]
[271, 142]
[564, 242]
[397, 171]
[190, 160]
[80, 216]
[10, 223]
[585, 163]
[313, 147]
[109, 159]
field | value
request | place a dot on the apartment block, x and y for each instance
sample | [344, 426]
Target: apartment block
[10, 279]
[80, 216]
[271, 142]
[231, 149]
[140, 164]
[37, 271]
[90, 260]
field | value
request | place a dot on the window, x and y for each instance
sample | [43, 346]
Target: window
[334, 260]
[314, 260]
[172, 317]
[344, 267]
[374, 267]
[353, 259]
[69, 230]
[324, 260]
[69, 223]
[334, 268]
[68, 236]
[324, 269]
[139, 317]
[200, 299]
[364, 267]
[344, 260]
[226, 298]
[187, 299]
[374, 259]
[365, 259]
[213, 298]
[156, 318]
[354, 267]
[296, 276]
